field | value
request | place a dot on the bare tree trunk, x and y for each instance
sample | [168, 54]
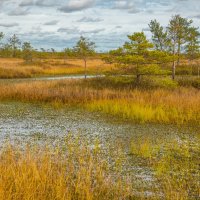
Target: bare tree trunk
[174, 64]
[178, 51]
[198, 71]
[14, 53]
[65, 58]
[173, 70]
[138, 78]
[85, 62]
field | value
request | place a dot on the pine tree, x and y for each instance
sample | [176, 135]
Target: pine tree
[159, 36]
[193, 43]
[137, 55]
[14, 43]
[83, 49]
[27, 52]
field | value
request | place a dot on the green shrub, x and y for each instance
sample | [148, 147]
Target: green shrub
[151, 82]
[184, 70]
[189, 82]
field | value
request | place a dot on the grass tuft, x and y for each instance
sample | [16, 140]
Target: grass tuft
[71, 170]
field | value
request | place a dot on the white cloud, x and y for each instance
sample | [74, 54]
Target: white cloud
[8, 25]
[107, 22]
[90, 19]
[77, 5]
[53, 22]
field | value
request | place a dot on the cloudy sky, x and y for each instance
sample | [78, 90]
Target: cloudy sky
[59, 23]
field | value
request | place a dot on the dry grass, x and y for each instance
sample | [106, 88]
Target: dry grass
[177, 106]
[74, 168]
[76, 66]
[16, 68]
[12, 68]
[71, 170]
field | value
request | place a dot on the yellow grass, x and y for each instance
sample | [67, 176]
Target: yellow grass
[177, 106]
[68, 171]
[16, 68]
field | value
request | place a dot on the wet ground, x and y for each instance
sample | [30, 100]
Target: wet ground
[25, 121]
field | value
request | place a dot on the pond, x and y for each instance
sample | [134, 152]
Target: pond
[50, 78]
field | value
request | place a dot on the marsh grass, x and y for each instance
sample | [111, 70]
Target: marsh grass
[177, 106]
[175, 164]
[16, 68]
[146, 112]
[72, 169]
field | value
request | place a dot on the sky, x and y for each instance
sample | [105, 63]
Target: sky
[59, 23]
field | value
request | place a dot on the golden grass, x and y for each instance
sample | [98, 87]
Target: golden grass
[75, 168]
[176, 106]
[16, 68]
[147, 111]
[71, 170]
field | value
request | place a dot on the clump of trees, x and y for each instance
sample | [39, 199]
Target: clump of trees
[83, 49]
[12, 48]
[178, 39]
[139, 56]
[168, 45]
[14, 43]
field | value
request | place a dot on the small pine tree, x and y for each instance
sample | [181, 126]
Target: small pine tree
[27, 51]
[14, 43]
[83, 49]
[136, 55]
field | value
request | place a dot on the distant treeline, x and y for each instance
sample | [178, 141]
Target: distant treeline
[178, 40]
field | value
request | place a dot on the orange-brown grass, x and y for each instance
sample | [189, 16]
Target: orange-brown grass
[16, 68]
[76, 66]
[72, 170]
[179, 106]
